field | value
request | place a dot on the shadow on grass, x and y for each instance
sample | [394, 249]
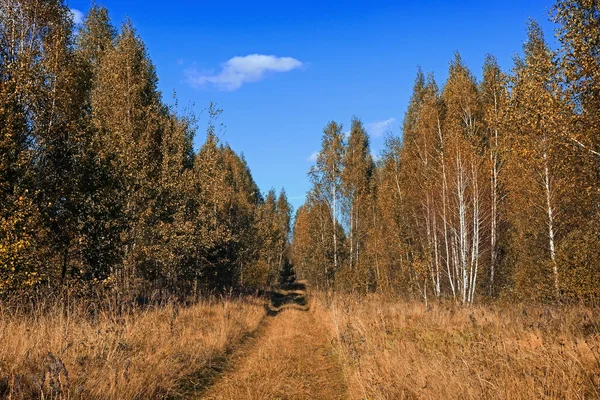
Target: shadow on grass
[291, 296]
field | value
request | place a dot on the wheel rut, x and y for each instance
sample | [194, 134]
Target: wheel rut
[289, 357]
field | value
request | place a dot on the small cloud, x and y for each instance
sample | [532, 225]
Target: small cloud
[379, 128]
[242, 69]
[313, 157]
[180, 61]
[77, 16]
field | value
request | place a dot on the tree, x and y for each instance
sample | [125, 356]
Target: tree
[312, 247]
[579, 64]
[400, 189]
[539, 117]
[418, 179]
[580, 41]
[166, 234]
[326, 179]
[213, 199]
[99, 183]
[20, 78]
[284, 220]
[494, 99]
[128, 115]
[48, 88]
[95, 38]
[244, 215]
[355, 190]
[389, 238]
[270, 234]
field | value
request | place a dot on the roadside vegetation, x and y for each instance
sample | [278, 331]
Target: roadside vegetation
[400, 349]
[89, 353]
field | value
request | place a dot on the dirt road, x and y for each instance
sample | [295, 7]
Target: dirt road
[289, 358]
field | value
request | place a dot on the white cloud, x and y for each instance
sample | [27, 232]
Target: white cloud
[379, 128]
[313, 157]
[242, 69]
[77, 16]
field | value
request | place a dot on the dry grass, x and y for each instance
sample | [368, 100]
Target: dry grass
[391, 349]
[291, 359]
[388, 349]
[145, 354]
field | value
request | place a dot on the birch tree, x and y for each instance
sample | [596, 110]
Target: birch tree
[462, 126]
[326, 178]
[494, 99]
[355, 192]
[539, 118]
[579, 37]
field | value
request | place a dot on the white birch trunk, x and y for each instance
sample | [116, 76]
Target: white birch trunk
[551, 229]
[494, 195]
[334, 220]
[444, 214]
[436, 258]
[352, 236]
[475, 249]
[494, 217]
[462, 234]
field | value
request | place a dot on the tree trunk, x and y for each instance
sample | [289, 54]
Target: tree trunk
[334, 221]
[462, 235]
[444, 214]
[551, 229]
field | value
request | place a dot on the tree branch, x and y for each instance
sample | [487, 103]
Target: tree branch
[585, 147]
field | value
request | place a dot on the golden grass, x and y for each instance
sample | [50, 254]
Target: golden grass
[142, 355]
[387, 348]
[290, 359]
[392, 349]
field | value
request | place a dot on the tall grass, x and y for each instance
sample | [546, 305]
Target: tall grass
[140, 354]
[393, 349]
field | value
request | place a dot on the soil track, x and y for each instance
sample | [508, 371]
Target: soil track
[288, 358]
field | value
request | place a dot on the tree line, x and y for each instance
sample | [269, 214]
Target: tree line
[493, 190]
[100, 186]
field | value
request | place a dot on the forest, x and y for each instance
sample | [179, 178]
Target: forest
[461, 262]
[101, 189]
[492, 191]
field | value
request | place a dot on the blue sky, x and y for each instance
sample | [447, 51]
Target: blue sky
[282, 70]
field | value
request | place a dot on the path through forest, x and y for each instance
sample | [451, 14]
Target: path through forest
[289, 358]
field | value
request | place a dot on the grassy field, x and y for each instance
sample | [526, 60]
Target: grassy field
[152, 353]
[393, 349]
[342, 346]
